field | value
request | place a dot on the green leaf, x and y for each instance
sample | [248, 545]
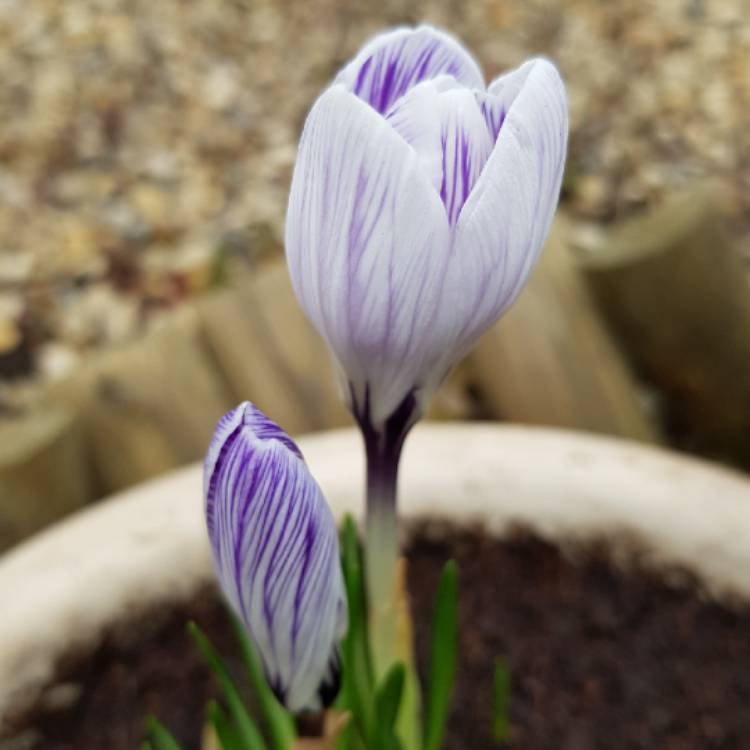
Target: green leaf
[160, 737]
[501, 702]
[387, 706]
[225, 731]
[246, 729]
[280, 723]
[348, 740]
[442, 658]
[387, 740]
[388, 698]
[409, 723]
[354, 580]
[358, 692]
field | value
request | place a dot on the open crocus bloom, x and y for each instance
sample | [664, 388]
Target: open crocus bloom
[276, 553]
[419, 204]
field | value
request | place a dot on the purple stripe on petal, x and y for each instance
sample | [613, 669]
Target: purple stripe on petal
[264, 428]
[446, 126]
[392, 63]
[500, 95]
[493, 109]
[466, 146]
[275, 550]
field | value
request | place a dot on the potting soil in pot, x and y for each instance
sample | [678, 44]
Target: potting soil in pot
[598, 658]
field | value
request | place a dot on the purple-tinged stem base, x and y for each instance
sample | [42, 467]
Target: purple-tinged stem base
[383, 445]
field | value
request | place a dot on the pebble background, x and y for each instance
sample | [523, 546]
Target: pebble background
[143, 143]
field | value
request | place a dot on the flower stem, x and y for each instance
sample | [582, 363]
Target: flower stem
[381, 556]
[388, 607]
[383, 447]
[389, 618]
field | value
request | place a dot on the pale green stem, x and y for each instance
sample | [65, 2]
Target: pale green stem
[383, 444]
[389, 623]
[381, 557]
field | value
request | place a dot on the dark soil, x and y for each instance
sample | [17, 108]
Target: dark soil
[598, 658]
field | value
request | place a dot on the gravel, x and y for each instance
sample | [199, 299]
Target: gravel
[146, 145]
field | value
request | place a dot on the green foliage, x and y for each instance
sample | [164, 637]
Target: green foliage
[501, 702]
[234, 727]
[388, 698]
[442, 659]
[160, 737]
[242, 722]
[228, 737]
[280, 723]
[377, 709]
[387, 705]
[409, 722]
[358, 687]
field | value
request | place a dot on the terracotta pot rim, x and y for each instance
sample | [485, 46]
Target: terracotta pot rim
[64, 587]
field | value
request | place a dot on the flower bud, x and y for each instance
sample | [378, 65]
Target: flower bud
[276, 553]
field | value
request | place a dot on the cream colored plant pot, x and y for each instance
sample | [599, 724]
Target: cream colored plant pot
[65, 587]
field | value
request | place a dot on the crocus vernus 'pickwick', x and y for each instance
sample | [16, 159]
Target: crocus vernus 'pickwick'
[276, 552]
[420, 201]
[419, 204]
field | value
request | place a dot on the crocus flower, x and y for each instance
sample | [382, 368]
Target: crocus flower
[275, 550]
[419, 204]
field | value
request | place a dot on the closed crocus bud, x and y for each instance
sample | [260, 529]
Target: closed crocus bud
[419, 204]
[276, 553]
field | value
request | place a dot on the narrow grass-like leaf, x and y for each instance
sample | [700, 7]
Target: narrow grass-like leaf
[354, 577]
[409, 723]
[145, 745]
[388, 698]
[358, 688]
[280, 723]
[222, 724]
[501, 702]
[388, 740]
[160, 737]
[442, 658]
[246, 728]
[349, 740]
[388, 703]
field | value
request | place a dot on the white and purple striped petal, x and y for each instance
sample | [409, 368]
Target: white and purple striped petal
[389, 65]
[275, 550]
[367, 242]
[500, 95]
[507, 216]
[445, 125]
[465, 144]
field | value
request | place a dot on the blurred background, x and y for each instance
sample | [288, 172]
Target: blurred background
[146, 149]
